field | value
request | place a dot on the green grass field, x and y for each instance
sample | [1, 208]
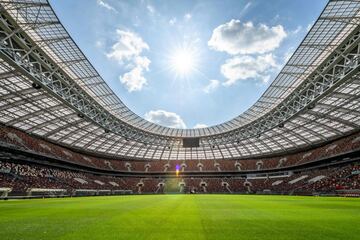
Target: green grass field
[181, 217]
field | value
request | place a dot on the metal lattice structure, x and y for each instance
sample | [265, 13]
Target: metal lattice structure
[48, 88]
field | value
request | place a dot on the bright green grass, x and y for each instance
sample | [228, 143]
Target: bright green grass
[181, 217]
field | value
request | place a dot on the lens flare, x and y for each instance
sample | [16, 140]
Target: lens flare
[177, 168]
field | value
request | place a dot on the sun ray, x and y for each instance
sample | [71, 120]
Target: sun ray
[183, 61]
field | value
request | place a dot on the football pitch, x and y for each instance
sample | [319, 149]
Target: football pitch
[181, 217]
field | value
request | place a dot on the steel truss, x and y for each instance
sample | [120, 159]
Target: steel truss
[315, 101]
[27, 57]
[340, 67]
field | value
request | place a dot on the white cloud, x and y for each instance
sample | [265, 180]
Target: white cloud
[151, 9]
[128, 46]
[172, 21]
[164, 118]
[296, 30]
[128, 50]
[235, 37]
[244, 10]
[134, 80]
[288, 54]
[309, 26]
[142, 62]
[200, 125]
[248, 67]
[99, 44]
[276, 18]
[212, 86]
[247, 6]
[103, 4]
[187, 16]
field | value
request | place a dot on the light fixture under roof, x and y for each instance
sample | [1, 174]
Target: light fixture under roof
[36, 85]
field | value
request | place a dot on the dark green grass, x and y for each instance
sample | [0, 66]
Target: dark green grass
[181, 217]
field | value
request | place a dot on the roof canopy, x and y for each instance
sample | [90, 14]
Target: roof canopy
[50, 89]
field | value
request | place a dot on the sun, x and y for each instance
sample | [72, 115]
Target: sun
[183, 61]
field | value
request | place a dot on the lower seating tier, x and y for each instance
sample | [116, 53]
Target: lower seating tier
[27, 179]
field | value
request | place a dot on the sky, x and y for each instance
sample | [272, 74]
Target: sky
[188, 64]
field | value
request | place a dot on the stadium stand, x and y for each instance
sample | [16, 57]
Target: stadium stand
[26, 180]
[63, 132]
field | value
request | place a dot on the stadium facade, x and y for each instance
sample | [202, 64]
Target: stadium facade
[63, 129]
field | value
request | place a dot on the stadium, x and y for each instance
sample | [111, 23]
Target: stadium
[77, 163]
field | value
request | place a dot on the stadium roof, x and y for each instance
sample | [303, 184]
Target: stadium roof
[50, 89]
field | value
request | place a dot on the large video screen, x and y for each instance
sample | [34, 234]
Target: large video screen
[191, 142]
